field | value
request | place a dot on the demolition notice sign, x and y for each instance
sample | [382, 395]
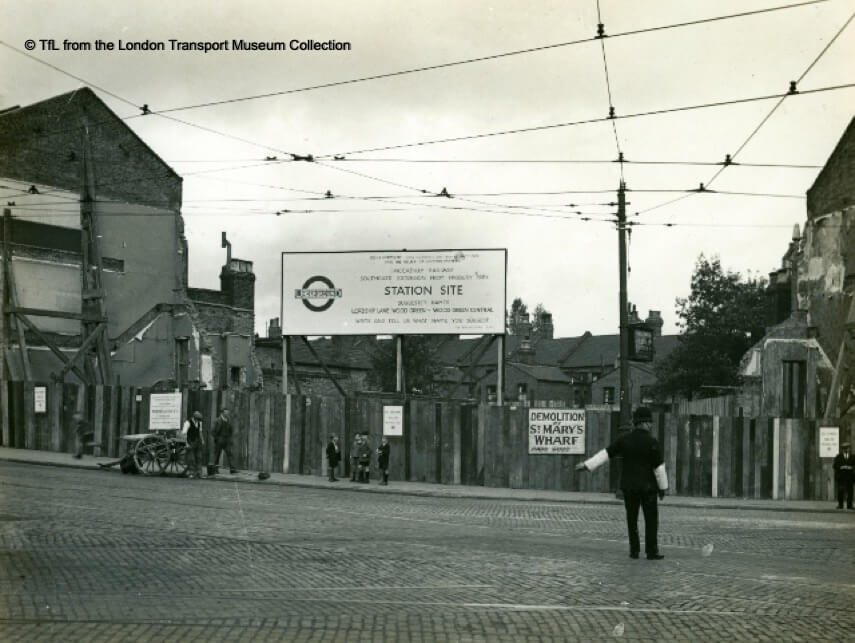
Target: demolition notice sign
[556, 431]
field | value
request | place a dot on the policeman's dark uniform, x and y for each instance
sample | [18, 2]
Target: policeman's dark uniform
[643, 478]
[843, 475]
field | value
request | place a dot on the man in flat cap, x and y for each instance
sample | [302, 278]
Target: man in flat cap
[843, 475]
[643, 478]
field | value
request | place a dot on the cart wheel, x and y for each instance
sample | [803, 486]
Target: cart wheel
[174, 458]
[146, 455]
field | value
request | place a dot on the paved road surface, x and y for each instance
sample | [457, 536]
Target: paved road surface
[99, 556]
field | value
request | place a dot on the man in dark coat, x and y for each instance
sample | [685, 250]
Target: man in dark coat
[333, 457]
[363, 457]
[843, 476]
[222, 433]
[192, 432]
[354, 456]
[643, 478]
[383, 459]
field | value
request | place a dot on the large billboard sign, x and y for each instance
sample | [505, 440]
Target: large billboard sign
[394, 292]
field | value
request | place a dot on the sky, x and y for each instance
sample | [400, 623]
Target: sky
[519, 191]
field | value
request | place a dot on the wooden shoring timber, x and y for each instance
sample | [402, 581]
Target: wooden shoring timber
[323, 364]
[92, 266]
[84, 347]
[843, 380]
[12, 297]
[54, 348]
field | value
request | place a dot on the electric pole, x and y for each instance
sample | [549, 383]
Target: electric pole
[625, 403]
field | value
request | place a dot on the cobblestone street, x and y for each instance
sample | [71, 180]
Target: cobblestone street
[89, 555]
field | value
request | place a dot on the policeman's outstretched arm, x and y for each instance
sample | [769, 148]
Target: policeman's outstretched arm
[596, 460]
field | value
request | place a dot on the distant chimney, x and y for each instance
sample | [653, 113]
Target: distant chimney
[525, 352]
[654, 320]
[633, 314]
[274, 330]
[524, 326]
[546, 329]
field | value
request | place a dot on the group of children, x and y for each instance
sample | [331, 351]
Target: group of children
[360, 459]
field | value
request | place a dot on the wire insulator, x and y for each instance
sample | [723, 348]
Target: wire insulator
[444, 192]
[727, 160]
[145, 110]
[611, 112]
[793, 89]
[601, 30]
[328, 194]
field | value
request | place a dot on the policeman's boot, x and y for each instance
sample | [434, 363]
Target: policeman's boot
[385, 479]
[367, 476]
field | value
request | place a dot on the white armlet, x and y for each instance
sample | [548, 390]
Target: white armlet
[596, 460]
[661, 477]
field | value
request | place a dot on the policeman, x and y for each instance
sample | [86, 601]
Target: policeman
[843, 475]
[643, 478]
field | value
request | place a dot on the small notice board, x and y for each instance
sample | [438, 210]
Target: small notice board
[829, 441]
[393, 420]
[164, 411]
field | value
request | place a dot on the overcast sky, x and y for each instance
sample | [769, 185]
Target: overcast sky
[554, 257]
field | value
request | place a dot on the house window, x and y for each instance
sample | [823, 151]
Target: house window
[491, 394]
[608, 395]
[795, 379]
[234, 376]
[522, 392]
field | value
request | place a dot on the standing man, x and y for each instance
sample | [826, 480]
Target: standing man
[192, 432]
[354, 456]
[643, 478]
[843, 476]
[333, 457]
[363, 456]
[383, 459]
[223, 440]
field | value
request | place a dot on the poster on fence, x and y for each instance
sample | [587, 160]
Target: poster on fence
[829, 441]
[393, 420]
[556, 431]
[40, 399]
[164, 411]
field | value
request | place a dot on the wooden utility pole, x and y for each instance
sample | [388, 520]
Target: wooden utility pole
[399, 363]
[625, 402]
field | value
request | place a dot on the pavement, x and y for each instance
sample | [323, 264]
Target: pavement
[429, 489]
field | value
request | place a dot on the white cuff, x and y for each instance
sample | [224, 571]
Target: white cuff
[661, 477]
[596, 460]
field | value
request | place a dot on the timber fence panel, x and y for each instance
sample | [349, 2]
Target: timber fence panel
[16, 408]
[55, 413]
[519, 460]
[449, 426]
[29, 416]
[5, 408]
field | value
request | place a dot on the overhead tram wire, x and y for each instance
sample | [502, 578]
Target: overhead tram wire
[793, 91]
[467, 61]
[537, 128]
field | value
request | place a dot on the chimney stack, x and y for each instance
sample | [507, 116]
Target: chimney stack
[547, 330]
[655, 321]
[274, 330]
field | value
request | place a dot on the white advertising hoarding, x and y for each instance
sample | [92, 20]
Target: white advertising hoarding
[393, 420]
[829, 441]
[560, 431]
[394, 292]
[164, 411]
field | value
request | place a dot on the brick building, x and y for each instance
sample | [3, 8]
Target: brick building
[791, 371]
[94, 283]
